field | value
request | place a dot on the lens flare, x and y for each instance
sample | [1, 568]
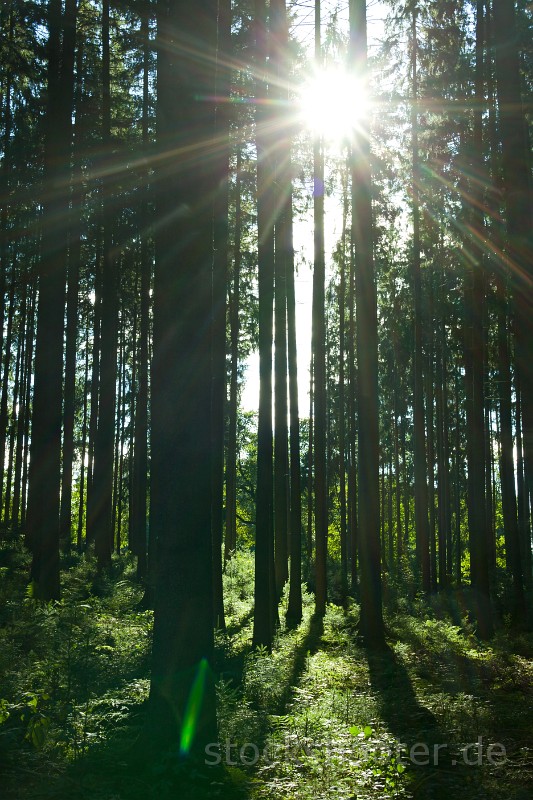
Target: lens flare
[333, 103]
[193, 708]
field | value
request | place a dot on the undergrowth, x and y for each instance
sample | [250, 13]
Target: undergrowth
[320, 717]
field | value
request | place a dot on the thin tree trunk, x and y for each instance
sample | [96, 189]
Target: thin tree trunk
[457, 485]
[81, 489]
[264, 546]
[16, 402]
[4, 401]
[45, 454]
[4, 248]
[442, 466]
[73, 279]
[419, 432]
[132, 415]
[352, 430]
[342, 394]
[310, 470]
[230, 543]
[523, 505]
[139, 507]
[116, 513]
[319, 361]
[294, 609]
[429, 380]
[23, 411]
[507, 464]
[102, 478]
[95, 391]
[281, 441]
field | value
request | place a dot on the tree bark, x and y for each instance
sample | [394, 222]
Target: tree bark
[516, 180]
[319, 361]
[102, 478]
[219, 303]
[264, 546]
[367, 356]
[182, 699]
[45, 452]
[419, 432]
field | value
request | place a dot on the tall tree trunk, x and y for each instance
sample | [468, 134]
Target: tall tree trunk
[102, 479]
[457, 485]
[278, 60]
[522, 499]
[516, 179]
[294, 609]
[182, 710]
[319, 360]
[120, 425]
[367, 355]
[27, 408]
[397, 472]
[219, 307]
[474, 377]
[230, 543]
[429, 381]
[16, 401]
[140, 451]
[264, 545]
[4, 400]
[45, 453]
[81, 488]
[507, 463]
[95, 384]
[310, 471]
[342, 395]
[4, 253]
[442, 455]
[74, 260]
[23, 410]
[281, 441]
[352, 428]
[419, 429]
[285, 339]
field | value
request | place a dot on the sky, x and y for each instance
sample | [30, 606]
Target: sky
[303, 228]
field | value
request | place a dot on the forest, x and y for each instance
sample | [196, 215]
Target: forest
[266, 399]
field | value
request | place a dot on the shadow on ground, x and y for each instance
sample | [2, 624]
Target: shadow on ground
[112, 770]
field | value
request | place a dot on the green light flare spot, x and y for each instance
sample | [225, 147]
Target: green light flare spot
[192, 710]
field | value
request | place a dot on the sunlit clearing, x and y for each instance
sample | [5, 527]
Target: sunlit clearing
[193, 709]
[332, 104]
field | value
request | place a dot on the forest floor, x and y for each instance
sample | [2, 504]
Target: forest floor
[438, 713]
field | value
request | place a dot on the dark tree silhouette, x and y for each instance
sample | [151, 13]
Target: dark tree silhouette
[367, 356]
[182, 702]
[45, 453]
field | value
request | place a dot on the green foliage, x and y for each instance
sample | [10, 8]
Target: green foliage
[69, 669]
[326, 716]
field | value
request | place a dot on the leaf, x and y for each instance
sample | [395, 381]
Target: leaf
[368, 732]
[4, 712]
[38, 731]
[400, 768]
[355, 730]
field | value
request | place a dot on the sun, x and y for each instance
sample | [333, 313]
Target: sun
[332, 104]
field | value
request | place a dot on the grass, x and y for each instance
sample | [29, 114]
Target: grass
[320, 717]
